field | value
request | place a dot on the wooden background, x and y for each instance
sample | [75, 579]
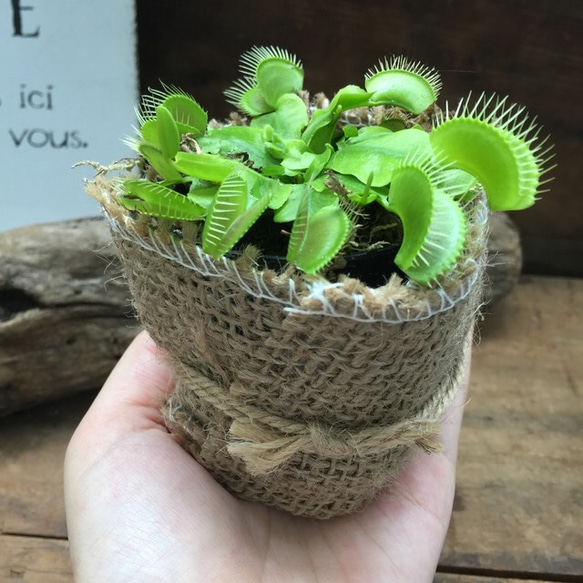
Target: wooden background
[528, 49]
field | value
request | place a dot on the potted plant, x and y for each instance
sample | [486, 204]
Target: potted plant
[313, 267]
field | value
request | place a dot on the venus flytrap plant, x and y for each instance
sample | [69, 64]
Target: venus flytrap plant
[317, 234]
[158, 200]
[327, 178]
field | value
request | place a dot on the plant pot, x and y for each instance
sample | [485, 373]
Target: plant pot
[296, 392]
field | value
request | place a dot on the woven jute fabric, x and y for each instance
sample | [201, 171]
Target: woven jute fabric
[308, 401]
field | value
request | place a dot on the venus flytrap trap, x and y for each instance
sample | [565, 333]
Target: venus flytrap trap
[328, 176]
[497, 144]
[269, 74]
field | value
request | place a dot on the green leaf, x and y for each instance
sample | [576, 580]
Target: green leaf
[205, 166]
[156, 200]
[318, 199]
[459, 184]
[379, 154]
[394, 125]
[280, 193]
[203, 196]
[230, 215]
[405, 84]
[324, 121]
[349, 131]
[260, 186]
[275, 71]
[163, 166]
[289, 118]
[276, 77]
[277, 148]
[247, 97]
[268, 73]
[350, 97]
[186, 112]
[361, 194]
[274, 171]
[317, 237]
[367, 132]
[288, 212]
[321, 128]
[149, 132]
[234, 140]
[297, 157]
[318, 164]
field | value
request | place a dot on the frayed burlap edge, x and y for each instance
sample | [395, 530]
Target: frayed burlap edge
[395, 302]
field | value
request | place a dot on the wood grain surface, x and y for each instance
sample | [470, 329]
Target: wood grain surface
[34, 560]
[519, 504]
[519, 501]
[65, 311]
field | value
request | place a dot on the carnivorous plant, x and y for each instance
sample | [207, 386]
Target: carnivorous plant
[321, 169]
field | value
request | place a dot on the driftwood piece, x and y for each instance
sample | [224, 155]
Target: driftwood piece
[65, 314]
[65, 310]
[504, 258]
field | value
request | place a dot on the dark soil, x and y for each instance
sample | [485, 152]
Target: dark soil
[369, 255]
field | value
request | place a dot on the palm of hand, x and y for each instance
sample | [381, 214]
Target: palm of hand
[139, 508]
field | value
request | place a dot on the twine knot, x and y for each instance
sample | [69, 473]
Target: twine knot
[264, 448]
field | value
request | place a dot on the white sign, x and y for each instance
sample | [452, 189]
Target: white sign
[68, 86]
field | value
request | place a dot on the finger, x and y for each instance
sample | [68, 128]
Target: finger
[429, 480]
[130, 399]
[142, 377]
[450, 428]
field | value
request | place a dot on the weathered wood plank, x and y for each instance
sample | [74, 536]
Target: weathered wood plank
[519, 503]
[34, 560]
[32, 450]
[64, 311]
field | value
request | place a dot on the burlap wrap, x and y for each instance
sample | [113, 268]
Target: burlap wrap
[303, 395]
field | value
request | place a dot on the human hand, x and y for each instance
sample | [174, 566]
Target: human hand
[139, 508]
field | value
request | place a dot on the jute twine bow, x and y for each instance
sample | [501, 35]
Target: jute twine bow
[265, 441]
